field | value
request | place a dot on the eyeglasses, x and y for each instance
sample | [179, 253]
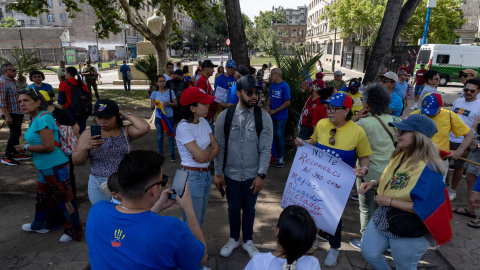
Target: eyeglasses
[333, 131]
[466, 75]
[334, 108]
[472, 91]
[386, 81]
[162, 183]
[251, 93]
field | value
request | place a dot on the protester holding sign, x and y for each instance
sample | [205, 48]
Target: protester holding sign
[342, 138]
[374, 121]
[412, 198]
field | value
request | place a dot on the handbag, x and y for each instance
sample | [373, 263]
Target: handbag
[405, 224]
[129, 75]
[68, 140]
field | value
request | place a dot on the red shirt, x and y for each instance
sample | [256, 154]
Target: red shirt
[204, 84]
[419, 76]
[307, 113]
[319, 113]
[64, 87]
[408, 69]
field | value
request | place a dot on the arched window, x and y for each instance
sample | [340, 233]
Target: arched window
[294, 33]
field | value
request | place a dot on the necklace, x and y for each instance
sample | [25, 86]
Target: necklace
[131, 209]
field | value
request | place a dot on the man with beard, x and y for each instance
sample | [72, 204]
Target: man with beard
[244, 133]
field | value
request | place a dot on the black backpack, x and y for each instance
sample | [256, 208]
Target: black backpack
[228, 124]
[81, 101]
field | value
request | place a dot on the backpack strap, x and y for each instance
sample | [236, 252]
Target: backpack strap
[386, 129]
[56, 143]
[71, 87]
[226, 129]
[258, 120]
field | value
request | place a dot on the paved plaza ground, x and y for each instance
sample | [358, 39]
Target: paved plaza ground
[24, 250]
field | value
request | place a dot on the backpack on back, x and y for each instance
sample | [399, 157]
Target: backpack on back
[81, 101]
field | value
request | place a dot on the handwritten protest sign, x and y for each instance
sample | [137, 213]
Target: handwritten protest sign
[320, 183]
[220, 94]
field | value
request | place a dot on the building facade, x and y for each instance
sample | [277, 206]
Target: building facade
[469, 33]
[297, 16]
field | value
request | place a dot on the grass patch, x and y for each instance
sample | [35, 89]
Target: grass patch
[258, 60]
[136, 99]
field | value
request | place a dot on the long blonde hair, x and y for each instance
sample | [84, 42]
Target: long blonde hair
[423, 149]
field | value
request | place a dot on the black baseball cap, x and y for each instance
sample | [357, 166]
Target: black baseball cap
[178, 72]
[106, 108]
[243, 70]
[247, 82]
[208, 63]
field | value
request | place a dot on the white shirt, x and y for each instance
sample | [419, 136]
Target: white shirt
[266, 261]
[167, 78]
[467, 111]
[188, 132]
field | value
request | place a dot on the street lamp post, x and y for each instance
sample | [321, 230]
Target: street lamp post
[98, 49]
[334, 42]
[192, 35]
[19, 24]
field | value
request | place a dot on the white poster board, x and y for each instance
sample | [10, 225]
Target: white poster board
[220, 94]
[320, 183]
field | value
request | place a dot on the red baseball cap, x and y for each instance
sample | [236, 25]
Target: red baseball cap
[318, 83]
[195, 94]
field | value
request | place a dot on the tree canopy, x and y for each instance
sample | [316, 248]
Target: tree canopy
[7, 22]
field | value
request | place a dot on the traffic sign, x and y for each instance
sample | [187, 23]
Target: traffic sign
[228, 41]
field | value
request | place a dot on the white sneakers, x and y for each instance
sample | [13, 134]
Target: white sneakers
[452, 194]
[332, 257]
[28, 227]
[249, 247]
[65, 238]
[229, 247]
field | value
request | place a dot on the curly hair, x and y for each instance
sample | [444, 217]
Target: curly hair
[378, 99]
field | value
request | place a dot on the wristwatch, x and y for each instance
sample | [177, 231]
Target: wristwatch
[262, 176]
[25, 148]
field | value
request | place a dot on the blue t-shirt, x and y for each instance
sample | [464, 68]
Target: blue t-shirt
[225, 82]
[401, 89]
[232, 95]
[124, 69]
[279, 93]
[45, 87]
[44, 160]
[164, 97]
[396, 105]
[139, 241]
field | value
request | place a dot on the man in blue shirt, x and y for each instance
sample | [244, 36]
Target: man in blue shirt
[132, 235]
[240, 71]
[277, 107]
[226, 80]
[401, 87]
[123, 69]
[37, 77]
[389, 80]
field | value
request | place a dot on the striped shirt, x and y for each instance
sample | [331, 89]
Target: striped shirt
[9, 95]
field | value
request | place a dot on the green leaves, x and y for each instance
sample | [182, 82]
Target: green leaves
[8, 22]
[148, 67]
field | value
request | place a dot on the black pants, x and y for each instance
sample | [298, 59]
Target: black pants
[15, 133]
[72, 177]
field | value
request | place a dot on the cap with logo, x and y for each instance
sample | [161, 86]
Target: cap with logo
[230, 63]
[340, 100]
[105, 108]
[468, 71]
[194, 94]
[389, 75]
[430, 103]
[417, 122]
[247, 82]
[208, 63]
[338, 73]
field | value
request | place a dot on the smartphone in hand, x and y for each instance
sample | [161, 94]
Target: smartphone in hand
[178, 185]
[96, 130]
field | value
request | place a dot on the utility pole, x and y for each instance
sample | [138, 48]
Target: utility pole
[430, 4]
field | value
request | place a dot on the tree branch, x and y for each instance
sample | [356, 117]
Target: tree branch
[168, 20]
[140, 26]
[407, 11]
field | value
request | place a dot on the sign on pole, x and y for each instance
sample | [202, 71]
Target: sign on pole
[228, 41]
[320, 183]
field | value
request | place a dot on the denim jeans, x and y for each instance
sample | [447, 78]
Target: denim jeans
[199, 184]
[366, 205]
[94, 192]
[126, 82]
[406, 252]
[15, 133]
[240, 197]
[279, 136]
[161, 133]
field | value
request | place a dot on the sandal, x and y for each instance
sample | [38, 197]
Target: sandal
[466, 213]
[474, 224]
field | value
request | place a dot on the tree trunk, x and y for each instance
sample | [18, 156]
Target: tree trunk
[236, 32]
[161, 54]
[407, 11]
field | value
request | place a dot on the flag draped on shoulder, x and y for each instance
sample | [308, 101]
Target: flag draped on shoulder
[167, 126]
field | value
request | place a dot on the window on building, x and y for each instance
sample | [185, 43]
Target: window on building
[1, 14]
[63, 17]
[33, 22]
[49, 3]
[329, 48]
[22, 23]
[148, 8]
[62, 3]
[294, 33]
[51, 17]
[338, 48]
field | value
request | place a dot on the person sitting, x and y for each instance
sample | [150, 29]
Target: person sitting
[132, 235]
[295, 235]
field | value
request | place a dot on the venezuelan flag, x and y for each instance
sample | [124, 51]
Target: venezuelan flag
[167, 126]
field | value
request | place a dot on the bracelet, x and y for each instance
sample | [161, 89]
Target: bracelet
[25, 148]
[374, 183]
[391, 200]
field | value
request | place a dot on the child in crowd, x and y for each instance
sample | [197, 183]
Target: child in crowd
[295, 234]
[114, 188]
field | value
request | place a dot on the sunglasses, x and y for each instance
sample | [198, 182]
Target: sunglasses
[466, 75]
[386, 81]
[163, 183]
[333, 131]
[472, 91]
[250, 93]
[334, 108]
[14, 70]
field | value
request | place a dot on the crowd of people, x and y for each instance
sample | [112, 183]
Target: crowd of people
[230, 139]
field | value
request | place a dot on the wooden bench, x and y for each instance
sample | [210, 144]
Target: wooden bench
[113, 65]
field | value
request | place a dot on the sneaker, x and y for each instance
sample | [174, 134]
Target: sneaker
[22, 157]
[452, 194]
[9, 161]
[28, 227]
[229, 247]
[280, 164]
[250, 248]
[323, 235]
[65, 238]
[173, 158]
[413, 108]
[356, 243]
[332, 257]
[354, 197]
[388, 250]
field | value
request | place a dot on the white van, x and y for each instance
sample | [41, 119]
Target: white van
[448, 60]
